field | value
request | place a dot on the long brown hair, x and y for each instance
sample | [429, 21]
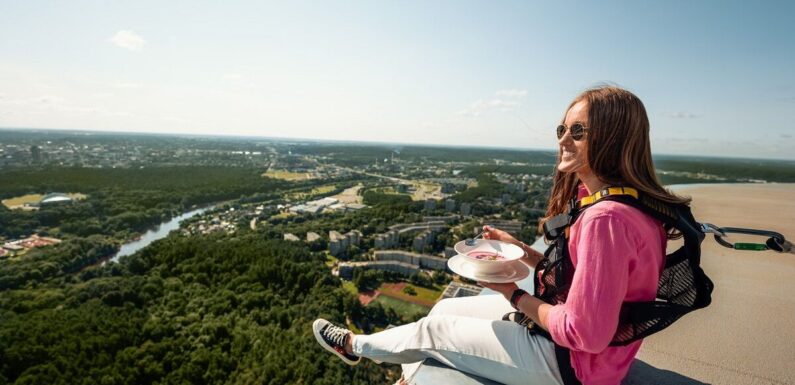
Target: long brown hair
[619, 152]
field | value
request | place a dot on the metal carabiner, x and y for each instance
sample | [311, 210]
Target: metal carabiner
[710, 228]
[780, 245]
[775, 242]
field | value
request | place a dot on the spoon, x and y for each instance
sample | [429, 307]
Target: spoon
[471, 241]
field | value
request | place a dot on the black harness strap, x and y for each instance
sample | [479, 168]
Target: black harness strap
[683, 286]
[564, 366]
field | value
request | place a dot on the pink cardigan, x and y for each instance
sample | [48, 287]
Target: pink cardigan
[618, 254]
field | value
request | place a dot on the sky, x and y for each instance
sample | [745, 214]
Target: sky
[717, 77]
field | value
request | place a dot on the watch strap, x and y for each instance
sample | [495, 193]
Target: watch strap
[517, 294]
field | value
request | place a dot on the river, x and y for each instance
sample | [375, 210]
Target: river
[159, 232]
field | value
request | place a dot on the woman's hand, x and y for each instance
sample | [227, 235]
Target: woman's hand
[531, 257]
[506, 289]
[499, 235]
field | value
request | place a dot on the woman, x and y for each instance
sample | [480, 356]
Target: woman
[617, 253]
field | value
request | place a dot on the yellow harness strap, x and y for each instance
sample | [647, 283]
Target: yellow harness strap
[595, 197]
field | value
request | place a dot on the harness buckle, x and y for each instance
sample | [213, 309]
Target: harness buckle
[574, 204]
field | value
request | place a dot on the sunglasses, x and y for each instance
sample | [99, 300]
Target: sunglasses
[577, 131]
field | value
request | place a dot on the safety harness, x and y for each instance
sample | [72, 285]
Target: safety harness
[683, 286]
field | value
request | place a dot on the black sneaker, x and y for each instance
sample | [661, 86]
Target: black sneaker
[333, 339]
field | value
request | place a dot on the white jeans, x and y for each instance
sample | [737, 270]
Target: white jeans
[467, 334]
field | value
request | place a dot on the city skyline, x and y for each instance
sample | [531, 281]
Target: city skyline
[715, 77]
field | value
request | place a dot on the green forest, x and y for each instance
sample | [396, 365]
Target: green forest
[186, 310]
[123, 201]
[206, 309]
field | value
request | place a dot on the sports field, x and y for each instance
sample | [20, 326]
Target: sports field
[13, 203]
[424, 296]
[406, 310]
[287, 175]
[18, 202]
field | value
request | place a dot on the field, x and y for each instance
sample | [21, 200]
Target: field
[392, 295]
[315, 191]
[350, 195]
[424, 297]
[405, 309]
[17, 202]
[284, 215]
[12, 203]
[426, 190]
[287, 175]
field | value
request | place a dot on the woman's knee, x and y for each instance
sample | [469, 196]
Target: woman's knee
[482, 306]
[442, 307]
[462, 306]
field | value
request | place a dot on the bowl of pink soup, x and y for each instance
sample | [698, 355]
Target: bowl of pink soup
[490, 256]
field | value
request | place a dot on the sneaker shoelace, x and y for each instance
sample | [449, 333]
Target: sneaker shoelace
[336, 334]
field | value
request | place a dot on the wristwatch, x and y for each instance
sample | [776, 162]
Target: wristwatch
[517, 294]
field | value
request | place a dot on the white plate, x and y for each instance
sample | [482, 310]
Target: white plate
[507, 250]
[462, 265]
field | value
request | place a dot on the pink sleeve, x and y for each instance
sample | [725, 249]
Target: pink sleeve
[589, 318]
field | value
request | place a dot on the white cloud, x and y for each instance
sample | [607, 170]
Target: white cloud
[515, 93]
[128, 40]
[504, 100]
[481, 106]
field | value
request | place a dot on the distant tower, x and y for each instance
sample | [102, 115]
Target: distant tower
[35, 153]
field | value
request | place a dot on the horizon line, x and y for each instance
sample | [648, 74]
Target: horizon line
[349, 141]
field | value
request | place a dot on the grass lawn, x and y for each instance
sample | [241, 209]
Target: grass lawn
[349, 286]
[34, 198]
[350, 195]
[385, 190]
[405, 309]
[322, 189]
[283, 215]
[425, 190]
[315, 191]
[330, 260]
[19, 201]
[424, 296]
[286, 175]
